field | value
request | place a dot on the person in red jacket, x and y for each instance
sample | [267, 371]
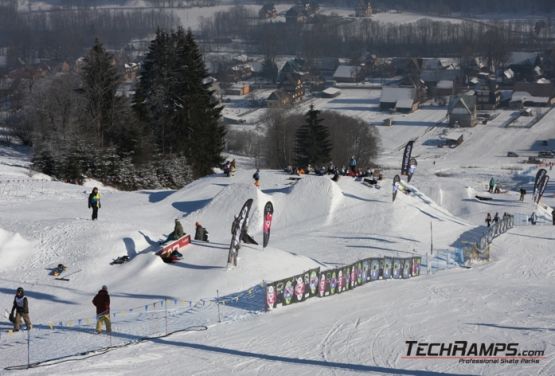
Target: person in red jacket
[102, 303]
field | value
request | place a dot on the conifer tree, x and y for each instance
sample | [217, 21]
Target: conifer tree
[100, 81]
[313, 144]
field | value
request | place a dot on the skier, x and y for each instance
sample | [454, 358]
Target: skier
[496, 218]
[522, 193]
[21, 309]
[200, 232]
[488, 219]
[102, 303]
[94, 203]
[353, 165]
[256, 177]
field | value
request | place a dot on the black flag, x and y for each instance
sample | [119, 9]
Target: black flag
[236, 230]
[406, 158]
[539, 175]
[541, 187]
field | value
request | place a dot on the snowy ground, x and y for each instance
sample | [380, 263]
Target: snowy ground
[316, 223]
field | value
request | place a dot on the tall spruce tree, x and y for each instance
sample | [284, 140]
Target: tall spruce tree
[201, 110]
[174, 101]
[313, 144]
[100, 81]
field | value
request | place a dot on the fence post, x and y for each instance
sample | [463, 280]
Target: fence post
[28, 348]
[218, 304]
[166, 313]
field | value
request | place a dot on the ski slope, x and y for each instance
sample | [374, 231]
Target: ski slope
[317, 223]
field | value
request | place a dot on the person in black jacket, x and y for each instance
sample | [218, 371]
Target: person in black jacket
[94, 202]
[200, 232]
[21, 309]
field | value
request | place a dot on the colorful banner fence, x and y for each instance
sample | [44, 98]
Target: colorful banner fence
[325, 283]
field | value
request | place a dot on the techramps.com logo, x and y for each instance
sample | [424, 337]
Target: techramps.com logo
[473, 352]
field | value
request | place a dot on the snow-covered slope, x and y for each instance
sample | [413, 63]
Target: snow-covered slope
[317, 222]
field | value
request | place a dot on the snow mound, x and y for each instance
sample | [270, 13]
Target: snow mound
[13, 248]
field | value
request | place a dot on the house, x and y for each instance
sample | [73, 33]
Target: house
[402, 99]
[268, 11]
[488, 95]
[444, 88]
[363, 8]
[279, 98]
[294, 86]
[242, 88]
[331, 92]
[348, 73]
[536, 89]
[462, 111]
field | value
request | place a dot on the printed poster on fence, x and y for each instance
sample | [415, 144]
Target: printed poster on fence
[292, 290]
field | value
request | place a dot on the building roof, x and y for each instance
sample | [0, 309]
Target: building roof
[522, 96]
[395, 94]
[405, 104]
[445, 84]
[467, 102]
[522, 58]
[331, 91]
[536, 89]
[347, 71]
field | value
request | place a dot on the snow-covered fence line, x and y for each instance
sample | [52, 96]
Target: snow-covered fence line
[54, 341]
[480, 251]
[22, 187]
[316, 283]
[522, 219]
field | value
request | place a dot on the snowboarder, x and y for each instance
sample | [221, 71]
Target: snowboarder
[522, 193]
[256, 177]
[496, 218]
[102, 303]
[176, 233]
[233, 167]
[200, 232]
[353, 165]
[488, 219]
[94, 203]
[491, 184]
[21, 309]
[395, 189]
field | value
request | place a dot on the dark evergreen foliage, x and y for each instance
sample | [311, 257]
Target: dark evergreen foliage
[174, 101]
[313, 144]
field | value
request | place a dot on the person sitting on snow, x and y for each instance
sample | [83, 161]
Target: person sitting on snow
[176, 233]
[200, 232]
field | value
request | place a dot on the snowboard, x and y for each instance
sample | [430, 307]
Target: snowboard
[236, 236]
[58, 270]
[268, 213]
[483, 198]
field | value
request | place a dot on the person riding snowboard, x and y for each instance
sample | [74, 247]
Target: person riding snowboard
[21, 309]
[94, 203]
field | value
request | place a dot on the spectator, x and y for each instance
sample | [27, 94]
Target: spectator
[488, 219]
[102, 303]
[94, 203]
[21, 309]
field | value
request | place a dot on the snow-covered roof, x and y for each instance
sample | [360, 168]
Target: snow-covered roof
[445, 84]
[347, 71]
[331, 91]
[395, 94]
[523, 96]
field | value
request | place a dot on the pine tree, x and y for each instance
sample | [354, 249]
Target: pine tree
[313, 144]
[100, 82]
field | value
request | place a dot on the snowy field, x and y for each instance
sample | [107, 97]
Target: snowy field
[317, 223]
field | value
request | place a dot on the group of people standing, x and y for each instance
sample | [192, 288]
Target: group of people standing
[20, 310]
